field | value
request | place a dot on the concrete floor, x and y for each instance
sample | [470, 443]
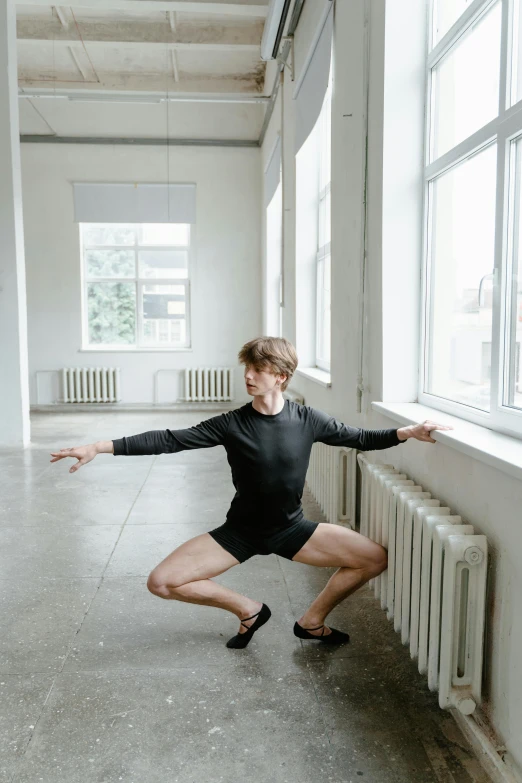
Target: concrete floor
[100, 681]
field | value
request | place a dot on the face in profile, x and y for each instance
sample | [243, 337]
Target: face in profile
[260, 381]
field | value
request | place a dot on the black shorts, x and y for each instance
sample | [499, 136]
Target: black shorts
[242, 544]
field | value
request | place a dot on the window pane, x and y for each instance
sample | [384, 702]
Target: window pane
[109, 263]
[320, 309]
[466, 84]
[164, 332]
[108, 234]
[325, 220]
[516, 61]
[462, 214]
[326, 139]
[446, 13]
[513, 396]
[274, 249]
[323, 310]
[163, 234]
[163, 263]
[164, 313]
[327, 308]
[111, 311]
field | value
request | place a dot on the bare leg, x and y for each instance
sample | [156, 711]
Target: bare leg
[359, 559]
[185, 574]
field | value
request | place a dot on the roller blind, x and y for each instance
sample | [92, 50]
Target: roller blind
[134, 203]
[273, 172]
[311, 88]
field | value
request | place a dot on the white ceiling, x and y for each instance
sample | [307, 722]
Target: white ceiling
[126, 50]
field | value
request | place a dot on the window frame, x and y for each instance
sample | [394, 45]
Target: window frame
[139, 283]
[504, 130]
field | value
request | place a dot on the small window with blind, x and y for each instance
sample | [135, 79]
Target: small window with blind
[136, 280]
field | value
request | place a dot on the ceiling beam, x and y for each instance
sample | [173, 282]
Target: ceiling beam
[61, 16]
[157, 30]
[175, 69]
[212, 8]
[142, 45]
[78, 64]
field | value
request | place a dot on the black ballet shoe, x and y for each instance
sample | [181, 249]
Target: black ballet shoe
[335, 637]
[241, 640]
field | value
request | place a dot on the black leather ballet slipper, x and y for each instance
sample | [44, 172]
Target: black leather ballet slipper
[335, 637]
[241, 640]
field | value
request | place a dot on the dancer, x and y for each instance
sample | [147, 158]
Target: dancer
[268, 443]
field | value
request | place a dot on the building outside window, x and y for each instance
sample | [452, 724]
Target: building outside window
[472, 325]
[323, 276]
[135, 281]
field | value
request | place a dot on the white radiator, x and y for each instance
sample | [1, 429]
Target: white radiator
[209, 384]
[91, 384]
[331, 479]
[435, 586]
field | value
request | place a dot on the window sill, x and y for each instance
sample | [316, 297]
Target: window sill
[315, 374]
[134, 350]
[493, 448]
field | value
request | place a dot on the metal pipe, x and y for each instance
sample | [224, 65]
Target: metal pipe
[360, 389]
[103, 96]
[48, 139]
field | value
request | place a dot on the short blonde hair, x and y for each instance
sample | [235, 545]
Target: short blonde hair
[273, 354]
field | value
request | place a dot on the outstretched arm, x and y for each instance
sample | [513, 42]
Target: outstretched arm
[204, 435]
[329, 430]
[211, 432]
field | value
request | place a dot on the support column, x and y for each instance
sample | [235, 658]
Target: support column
[14, 370]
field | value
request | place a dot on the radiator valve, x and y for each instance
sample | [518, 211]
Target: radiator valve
[473, 555]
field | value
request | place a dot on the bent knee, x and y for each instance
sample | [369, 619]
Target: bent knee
[375, 561]
[380, 560]
[157, 585]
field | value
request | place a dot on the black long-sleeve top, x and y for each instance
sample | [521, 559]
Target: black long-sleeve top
[268, 455]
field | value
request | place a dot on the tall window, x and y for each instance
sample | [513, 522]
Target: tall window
[323, 277]
[473, 291]
[135, 285]
[274, 261]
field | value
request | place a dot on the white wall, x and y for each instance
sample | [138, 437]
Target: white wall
[175, 120]
[226, 271]
[487, 498]
[14, 387]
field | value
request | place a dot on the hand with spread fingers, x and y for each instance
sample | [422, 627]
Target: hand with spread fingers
[83, 454]
[421, 431]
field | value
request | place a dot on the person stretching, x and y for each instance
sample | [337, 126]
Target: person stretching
[268, 443]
